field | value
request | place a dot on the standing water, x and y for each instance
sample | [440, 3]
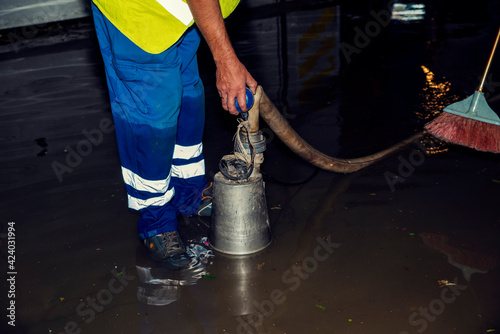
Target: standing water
[408, 245]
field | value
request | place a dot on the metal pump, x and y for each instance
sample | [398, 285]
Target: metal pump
[240, 221]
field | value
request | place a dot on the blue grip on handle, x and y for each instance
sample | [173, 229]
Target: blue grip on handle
[249, 98]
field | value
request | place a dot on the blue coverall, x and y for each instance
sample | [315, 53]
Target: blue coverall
[158, 107]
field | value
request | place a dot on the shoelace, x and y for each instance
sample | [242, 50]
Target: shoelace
[207, 189]
[171, 241]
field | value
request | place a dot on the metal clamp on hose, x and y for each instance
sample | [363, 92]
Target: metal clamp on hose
[257, 140]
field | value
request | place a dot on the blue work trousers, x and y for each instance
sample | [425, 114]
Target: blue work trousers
[158, 107]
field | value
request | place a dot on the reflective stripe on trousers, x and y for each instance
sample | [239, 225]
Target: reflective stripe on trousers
[158, 109]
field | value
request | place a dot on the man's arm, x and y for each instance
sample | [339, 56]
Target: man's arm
[232, 76]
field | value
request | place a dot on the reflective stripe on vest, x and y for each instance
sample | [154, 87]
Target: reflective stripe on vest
[179, 9]
[153, 25]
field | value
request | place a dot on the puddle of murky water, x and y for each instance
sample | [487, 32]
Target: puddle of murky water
[351, 253]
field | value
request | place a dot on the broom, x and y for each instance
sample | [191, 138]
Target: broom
[470, 122]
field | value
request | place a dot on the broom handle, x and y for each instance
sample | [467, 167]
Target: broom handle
[489, 62]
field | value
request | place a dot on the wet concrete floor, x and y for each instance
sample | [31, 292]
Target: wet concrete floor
[408, 245]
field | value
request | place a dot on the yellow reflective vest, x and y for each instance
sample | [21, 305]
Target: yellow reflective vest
[153, 25]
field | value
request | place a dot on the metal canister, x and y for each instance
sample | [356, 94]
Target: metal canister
[240, 222]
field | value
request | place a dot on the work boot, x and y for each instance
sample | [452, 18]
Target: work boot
[168, 248]
[205, 208]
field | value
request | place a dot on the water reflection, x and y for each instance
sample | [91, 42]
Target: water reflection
[436, 95]
[406, 12]
[244, 282]
[467, 260]
[199, 298]
[159, 286]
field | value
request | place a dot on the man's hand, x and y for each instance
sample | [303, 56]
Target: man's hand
[232, 76]
[232, 79]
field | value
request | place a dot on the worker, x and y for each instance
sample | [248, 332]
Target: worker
[149, 49]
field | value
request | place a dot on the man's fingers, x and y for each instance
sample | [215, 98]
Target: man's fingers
[252, 84]
[231, 106]
[242, 101]
[232, 82]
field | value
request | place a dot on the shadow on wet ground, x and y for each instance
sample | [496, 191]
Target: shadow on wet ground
[408, 245]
